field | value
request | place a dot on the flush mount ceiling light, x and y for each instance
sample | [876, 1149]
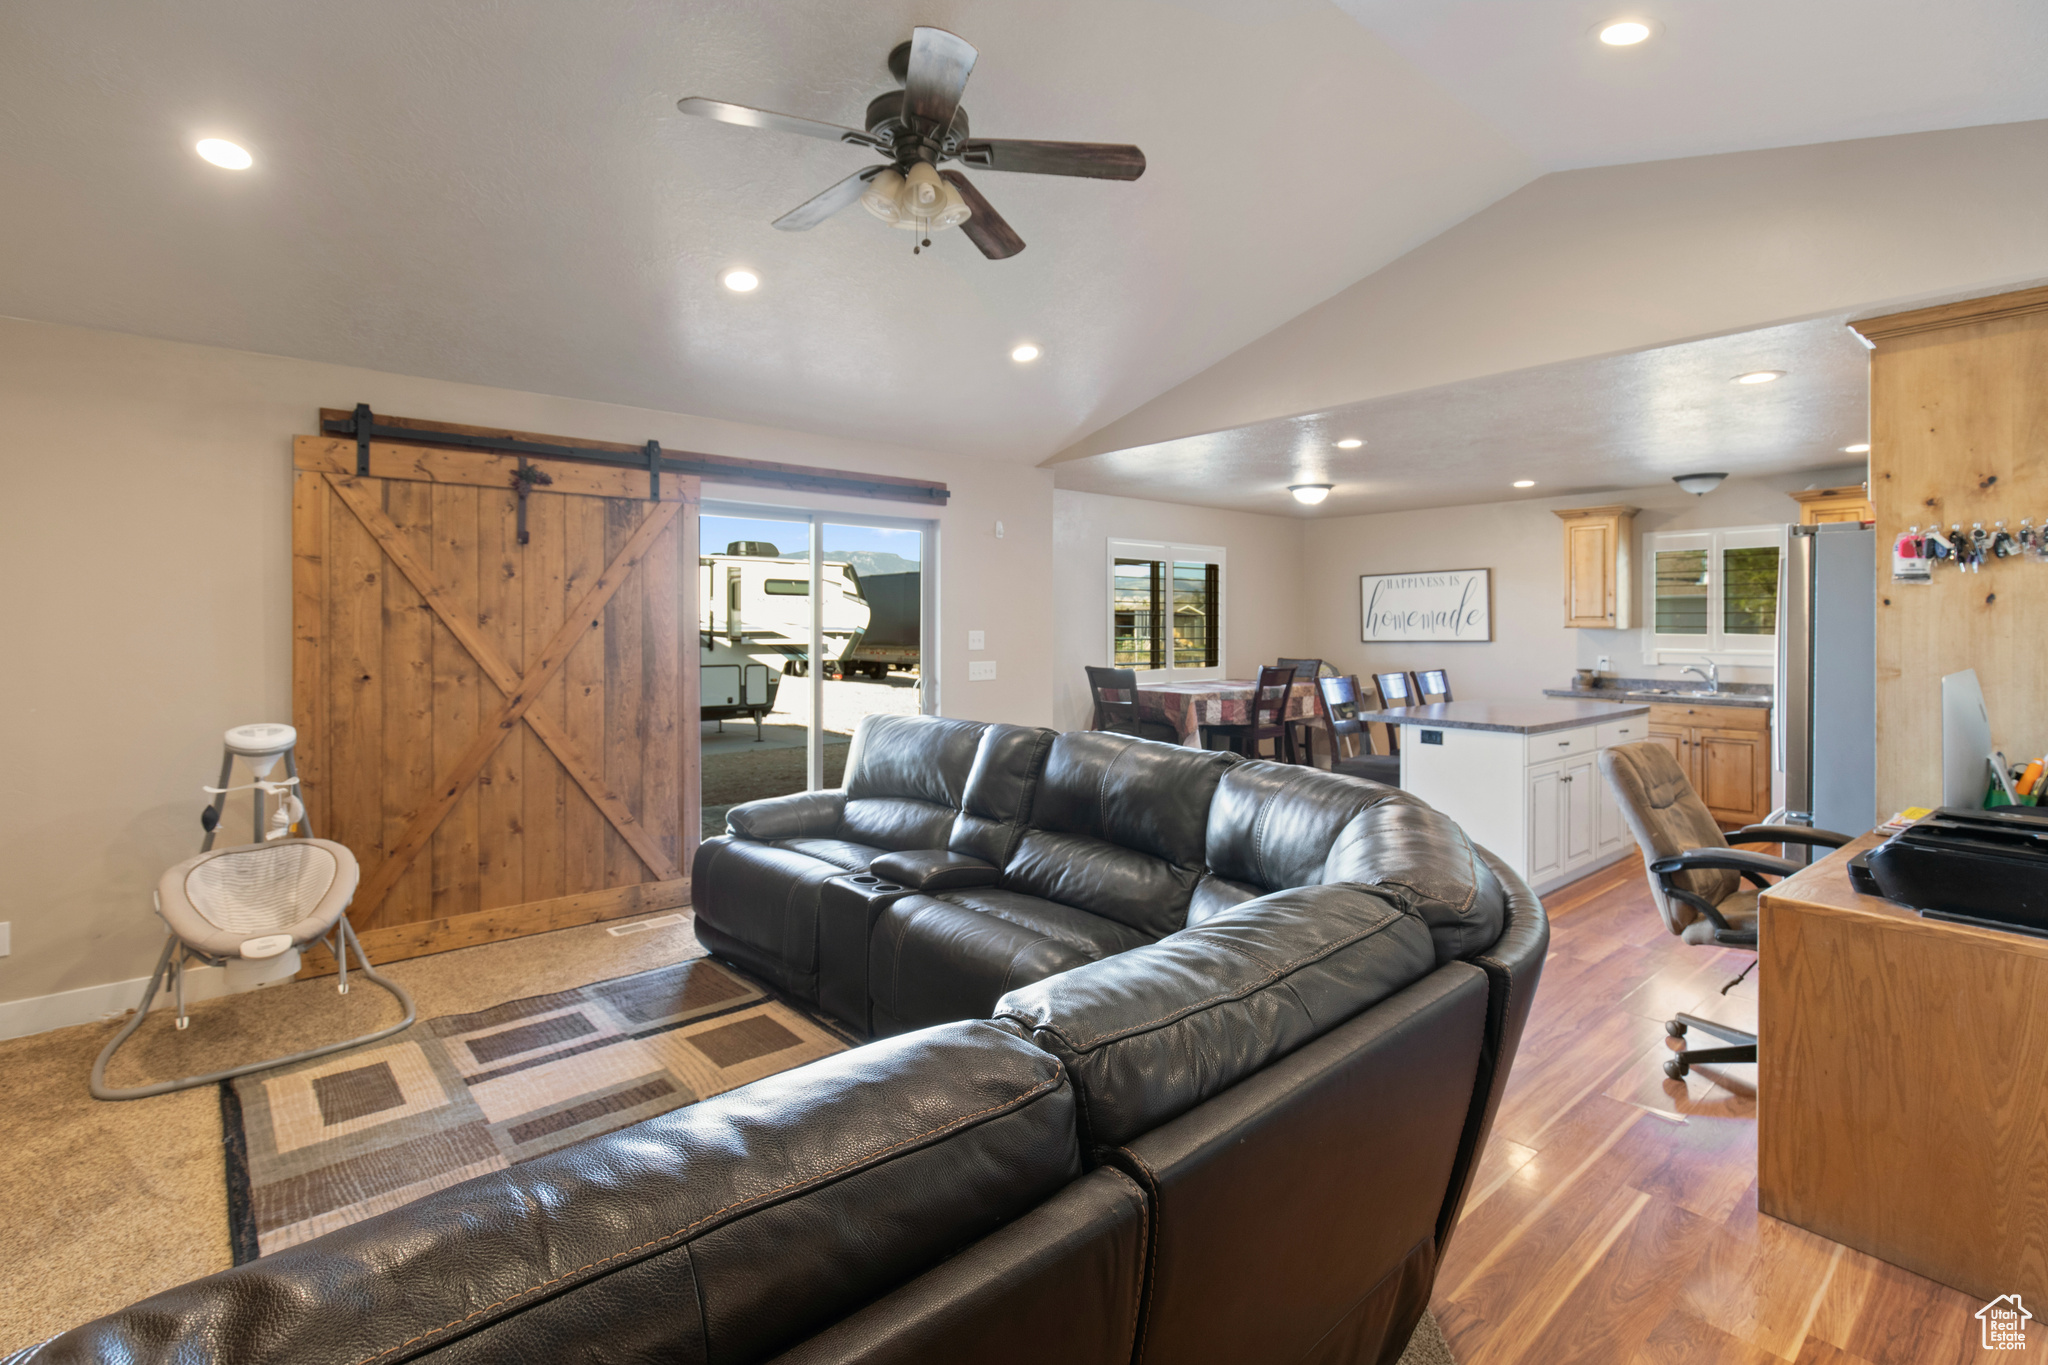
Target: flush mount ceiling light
[1525, 483]
[224, 154]
[741, 281]
[1697, 484]
[1349, 443]
[1309, 494]
[1624, 33]
[1025, 354]
[1860, 448]
[1759, 377]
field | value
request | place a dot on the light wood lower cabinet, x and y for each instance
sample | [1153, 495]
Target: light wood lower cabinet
[1726, 753]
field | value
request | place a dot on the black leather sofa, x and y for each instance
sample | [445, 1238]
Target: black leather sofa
[1183, 1058]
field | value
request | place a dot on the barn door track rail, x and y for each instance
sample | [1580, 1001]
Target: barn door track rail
[366, 426]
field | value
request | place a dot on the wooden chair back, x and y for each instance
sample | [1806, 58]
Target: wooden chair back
[1433, 684]
[1397, 689]
[1385, 738]
[1116, 698]
[1305, 670]
[1268, 718]
[1340, 712]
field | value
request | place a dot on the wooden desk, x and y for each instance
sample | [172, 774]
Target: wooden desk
[1903, 1084]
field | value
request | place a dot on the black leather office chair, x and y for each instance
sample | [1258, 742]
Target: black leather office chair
[1705, 890]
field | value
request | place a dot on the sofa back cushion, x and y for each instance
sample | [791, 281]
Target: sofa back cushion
[1419, 859]
[1151, 1033]
[906, 777]
[1272, 824]
[1008, 764]
[728, 1230]
[1117, 826]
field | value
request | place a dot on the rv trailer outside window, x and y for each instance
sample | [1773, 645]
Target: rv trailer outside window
[786, 587]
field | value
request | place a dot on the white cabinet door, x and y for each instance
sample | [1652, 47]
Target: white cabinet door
[1581, 795]
[1611, 828]
[1546, 822]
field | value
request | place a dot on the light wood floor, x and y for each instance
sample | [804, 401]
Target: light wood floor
[1614, 1218]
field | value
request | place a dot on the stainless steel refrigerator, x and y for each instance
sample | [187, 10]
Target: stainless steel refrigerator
[1826, 731]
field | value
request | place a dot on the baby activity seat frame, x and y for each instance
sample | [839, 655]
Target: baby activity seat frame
[250, 903]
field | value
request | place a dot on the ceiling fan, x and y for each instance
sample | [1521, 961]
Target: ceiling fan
[920, 128]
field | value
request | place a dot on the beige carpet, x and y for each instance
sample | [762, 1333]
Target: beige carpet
[104, 1203]
[1427, 1346]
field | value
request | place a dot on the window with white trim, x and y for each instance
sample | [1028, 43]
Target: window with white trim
[1713, 594]
[1166, 608]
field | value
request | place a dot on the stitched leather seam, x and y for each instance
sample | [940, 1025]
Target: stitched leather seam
[1151, 1247]
[1050, 1083]
[1221, 997]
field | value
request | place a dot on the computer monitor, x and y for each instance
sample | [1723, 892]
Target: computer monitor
[1965, 741]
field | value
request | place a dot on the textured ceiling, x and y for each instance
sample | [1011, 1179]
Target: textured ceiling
[505, 194]
[1578, 427]
[1725, 76]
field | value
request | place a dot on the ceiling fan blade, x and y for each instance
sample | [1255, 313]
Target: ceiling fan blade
[1100, 160]
[814, 211]
[986, 228]
[764, 118]
[940, 63]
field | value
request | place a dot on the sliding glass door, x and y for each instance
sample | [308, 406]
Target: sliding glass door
[808, 621]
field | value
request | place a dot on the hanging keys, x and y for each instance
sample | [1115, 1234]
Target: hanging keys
[2002, 543]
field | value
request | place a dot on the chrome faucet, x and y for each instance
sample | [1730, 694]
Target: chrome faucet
[1711, 674]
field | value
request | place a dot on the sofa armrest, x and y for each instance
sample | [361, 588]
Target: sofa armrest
[934, 869]
[800, 815]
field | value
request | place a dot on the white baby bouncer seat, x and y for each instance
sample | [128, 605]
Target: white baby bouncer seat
[243, 907]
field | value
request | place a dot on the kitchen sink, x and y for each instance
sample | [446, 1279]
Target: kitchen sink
[1693, 694]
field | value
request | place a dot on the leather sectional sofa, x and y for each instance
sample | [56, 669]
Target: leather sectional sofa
[1177, 1058]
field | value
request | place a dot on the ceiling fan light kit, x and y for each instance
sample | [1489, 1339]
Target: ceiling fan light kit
[920, 128]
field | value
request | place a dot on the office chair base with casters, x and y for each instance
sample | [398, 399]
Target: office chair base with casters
[1743, 1051]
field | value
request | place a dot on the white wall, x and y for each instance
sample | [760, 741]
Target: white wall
[1523, 543]
[1622, 258]
[1264, 614]
[145, 544]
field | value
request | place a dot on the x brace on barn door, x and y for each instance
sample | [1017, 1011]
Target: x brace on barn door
[520, 691]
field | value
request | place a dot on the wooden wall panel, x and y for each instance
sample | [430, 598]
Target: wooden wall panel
[496, 730]
[1959, 433]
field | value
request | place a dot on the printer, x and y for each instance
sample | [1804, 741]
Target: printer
[1986, 867]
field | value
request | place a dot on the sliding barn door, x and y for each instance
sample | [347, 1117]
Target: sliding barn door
[501, 732]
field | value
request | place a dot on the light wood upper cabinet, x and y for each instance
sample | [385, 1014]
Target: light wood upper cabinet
[1820, 505]
[1599, 581]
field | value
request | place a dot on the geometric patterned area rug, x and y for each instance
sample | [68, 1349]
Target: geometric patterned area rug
[326, 1143]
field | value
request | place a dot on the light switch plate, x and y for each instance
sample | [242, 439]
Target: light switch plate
[981, 670]
[977, 639]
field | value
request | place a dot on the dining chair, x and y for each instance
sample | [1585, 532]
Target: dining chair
[1305, 670]
[1397, 689]
[1433, 684]
[1386, 739]
[1305, 727]
[1340, 704]
[1116, 705]
[1267, 722]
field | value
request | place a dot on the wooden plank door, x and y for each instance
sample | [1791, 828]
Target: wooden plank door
[497, 730]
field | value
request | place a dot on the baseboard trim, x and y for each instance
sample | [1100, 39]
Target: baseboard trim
[97, 1004]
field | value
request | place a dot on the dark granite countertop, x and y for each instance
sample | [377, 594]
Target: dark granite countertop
[1615, 695]
[1514, 717]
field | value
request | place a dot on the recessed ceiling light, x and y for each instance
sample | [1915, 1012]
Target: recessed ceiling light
[1759, 376]
[1309, 493]
[741, 281]
[1860, 448]
[1025, 354]
[1349, 443]
[1624, 33]
[224, 154]
[1525, 483]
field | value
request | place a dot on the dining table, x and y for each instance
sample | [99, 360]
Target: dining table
[1188, 706]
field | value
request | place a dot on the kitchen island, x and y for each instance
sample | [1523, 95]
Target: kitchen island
[1523, 777]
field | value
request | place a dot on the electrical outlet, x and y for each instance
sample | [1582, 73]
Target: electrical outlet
[981, 670]
[977, 639]
[1602, 663]
[6, 937]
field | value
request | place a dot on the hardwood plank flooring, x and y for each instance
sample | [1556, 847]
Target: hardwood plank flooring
[1613, 1219]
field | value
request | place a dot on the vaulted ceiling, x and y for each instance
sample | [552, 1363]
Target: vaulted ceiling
[505, 194]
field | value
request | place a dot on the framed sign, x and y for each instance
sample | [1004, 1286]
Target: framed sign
[1444, 604]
